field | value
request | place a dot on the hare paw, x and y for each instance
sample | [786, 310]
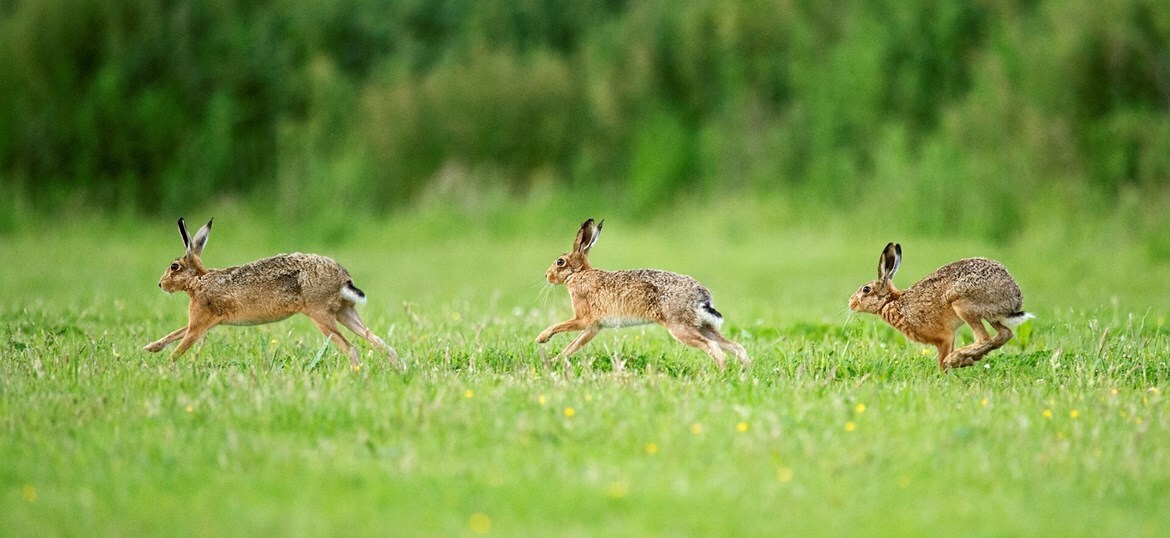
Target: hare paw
[958, 359]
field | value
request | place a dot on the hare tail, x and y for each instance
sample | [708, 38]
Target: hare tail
[708, 314]
[352, 293]
[1016, 319]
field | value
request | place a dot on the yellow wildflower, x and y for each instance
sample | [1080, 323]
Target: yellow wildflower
[480, 523]
[784, 475]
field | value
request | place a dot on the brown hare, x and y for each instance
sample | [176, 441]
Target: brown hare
[971, 290]
[634, 297]
[264, 291]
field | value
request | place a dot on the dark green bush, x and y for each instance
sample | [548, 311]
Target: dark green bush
[155, 106]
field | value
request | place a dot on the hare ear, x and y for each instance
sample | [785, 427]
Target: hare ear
[586, 236]
[889, 262]
[200, 240]
[183, 232]
[593, 238]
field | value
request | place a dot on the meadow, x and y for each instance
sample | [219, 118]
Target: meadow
[840, 426]
[446, 151]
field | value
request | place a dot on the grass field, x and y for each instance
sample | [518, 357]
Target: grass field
[841, 426]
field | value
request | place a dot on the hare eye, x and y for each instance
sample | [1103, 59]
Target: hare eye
[560, 262]
[865, 289]
[174, 266]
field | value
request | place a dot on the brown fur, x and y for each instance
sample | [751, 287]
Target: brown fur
[633, 297]
[263, 291]
[971, 291]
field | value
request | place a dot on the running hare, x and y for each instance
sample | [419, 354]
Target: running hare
[971, 290]
[635, 297]
[264, 291]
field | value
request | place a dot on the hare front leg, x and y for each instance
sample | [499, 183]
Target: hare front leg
[159, 344]
[944, 347]
[571, 325]
[196, 328]
[586, 335]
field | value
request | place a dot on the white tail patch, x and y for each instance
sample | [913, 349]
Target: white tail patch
[1015, 321]
[352, 294]
[709, 318]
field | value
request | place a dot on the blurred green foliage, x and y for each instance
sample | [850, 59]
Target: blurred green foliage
[911, 105]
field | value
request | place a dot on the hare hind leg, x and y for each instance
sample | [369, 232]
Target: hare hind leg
[984, 342]
[327, 324]
[691, 336]
[1003, 333]
[713, 334]
[349, 317]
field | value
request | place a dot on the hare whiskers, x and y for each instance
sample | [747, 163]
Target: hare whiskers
[543, 292]
[846, 318]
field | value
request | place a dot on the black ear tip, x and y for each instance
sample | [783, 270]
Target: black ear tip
[209, 221]
[898, 248]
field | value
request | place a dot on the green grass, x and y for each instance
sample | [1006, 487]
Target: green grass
[841, 426]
